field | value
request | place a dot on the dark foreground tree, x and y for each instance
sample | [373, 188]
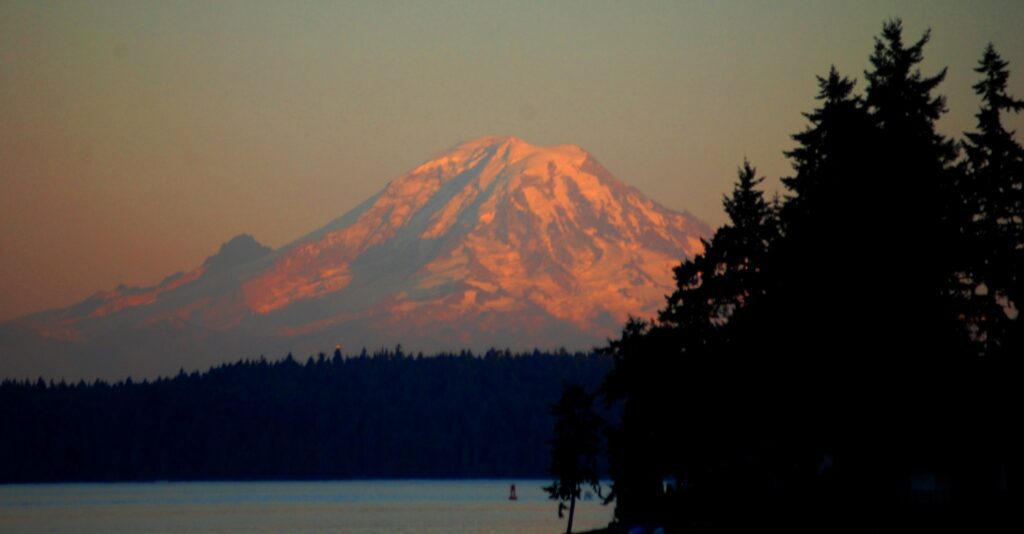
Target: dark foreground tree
[682, 402]
[574, 449]
[993, 216]
[991, 294]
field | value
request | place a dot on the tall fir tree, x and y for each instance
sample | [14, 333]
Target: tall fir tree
[913, 182]
[909, 398]
[826, 304]
[993, 218]
[827, 158]
[820, 263]
[665, 372]
[730, 274]
[992, 289]
[574, 449]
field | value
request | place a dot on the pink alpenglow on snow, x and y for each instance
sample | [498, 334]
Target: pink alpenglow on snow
[495, 242]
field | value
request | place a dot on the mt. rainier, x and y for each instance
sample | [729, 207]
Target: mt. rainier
[495, 242]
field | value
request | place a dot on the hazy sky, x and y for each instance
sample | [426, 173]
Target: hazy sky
[136, 137]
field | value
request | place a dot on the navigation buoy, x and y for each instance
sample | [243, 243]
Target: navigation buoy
[512, 493]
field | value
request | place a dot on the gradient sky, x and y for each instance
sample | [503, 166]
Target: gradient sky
[136, 137]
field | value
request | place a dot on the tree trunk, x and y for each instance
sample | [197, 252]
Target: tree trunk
[572, 510]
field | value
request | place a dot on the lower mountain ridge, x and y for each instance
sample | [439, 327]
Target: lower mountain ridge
[494, 243]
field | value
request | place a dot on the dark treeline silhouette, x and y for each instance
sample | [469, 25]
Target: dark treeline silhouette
[847, 357]
[381, 416]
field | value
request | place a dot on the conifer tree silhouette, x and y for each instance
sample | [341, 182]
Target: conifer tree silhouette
[993, 220]
[574, 449]
[686, 344]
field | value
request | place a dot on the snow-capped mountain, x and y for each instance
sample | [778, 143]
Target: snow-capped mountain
[495, 242]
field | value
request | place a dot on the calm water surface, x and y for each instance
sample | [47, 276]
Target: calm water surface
[349, 506]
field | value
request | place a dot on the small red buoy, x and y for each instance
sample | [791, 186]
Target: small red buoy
[512, 493]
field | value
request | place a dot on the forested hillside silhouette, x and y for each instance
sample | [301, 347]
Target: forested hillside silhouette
[846, 357]
[385, 415]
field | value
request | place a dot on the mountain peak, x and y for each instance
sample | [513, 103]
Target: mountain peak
[500, 152]
[515, 148]
[495, 242]
[491, 141]
[240, 249]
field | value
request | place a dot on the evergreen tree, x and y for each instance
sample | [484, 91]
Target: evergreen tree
[823, 218]
[991, 221]
[825, 302]
[665, 371]
[638, 384]
[741, 247]
[829, 160]
[574, 449]
[993, 218]
[901, 394]
[917, 243]
[730, 273]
